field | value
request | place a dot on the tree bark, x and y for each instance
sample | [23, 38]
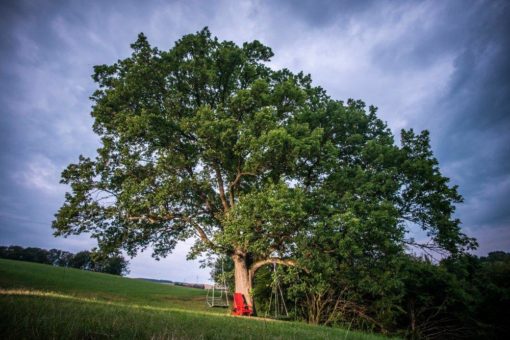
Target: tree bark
[243, 281]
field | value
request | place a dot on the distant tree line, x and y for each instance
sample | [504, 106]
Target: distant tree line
[462, 296]
[86, 260]
[183, 284]
[190, 285]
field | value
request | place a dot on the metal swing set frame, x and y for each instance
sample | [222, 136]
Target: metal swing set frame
[280, 308]
[217, 296]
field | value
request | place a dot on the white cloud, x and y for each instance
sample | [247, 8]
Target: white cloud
[41, 174]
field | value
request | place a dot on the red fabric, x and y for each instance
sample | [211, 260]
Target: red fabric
[240, 305]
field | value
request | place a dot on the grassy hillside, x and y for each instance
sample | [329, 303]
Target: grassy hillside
[40, 301]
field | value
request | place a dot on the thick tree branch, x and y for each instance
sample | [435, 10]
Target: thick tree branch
[258, 264]
[231, 198]
[232, 185]
[240, 174]
[221, 188]
[201, 233]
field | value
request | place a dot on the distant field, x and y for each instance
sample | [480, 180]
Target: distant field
[44, 302]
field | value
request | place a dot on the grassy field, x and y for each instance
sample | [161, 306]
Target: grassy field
[44, 302]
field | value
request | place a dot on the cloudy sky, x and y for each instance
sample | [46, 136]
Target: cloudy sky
[437, 65]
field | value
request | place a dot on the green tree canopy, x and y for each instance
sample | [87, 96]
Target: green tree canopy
[206, 141]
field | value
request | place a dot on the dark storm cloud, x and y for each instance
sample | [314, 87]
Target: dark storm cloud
[471, 119]
[320, 13]
[478, 104]
[441, 66]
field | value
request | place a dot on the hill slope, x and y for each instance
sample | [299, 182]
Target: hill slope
[41, 301]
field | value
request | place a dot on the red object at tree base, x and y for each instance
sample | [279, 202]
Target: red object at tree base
[240, 305]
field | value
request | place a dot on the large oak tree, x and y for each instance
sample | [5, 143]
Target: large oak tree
[206, 141]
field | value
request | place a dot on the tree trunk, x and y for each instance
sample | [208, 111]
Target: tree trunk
[243, 281]
[413, 319]
[243, 274]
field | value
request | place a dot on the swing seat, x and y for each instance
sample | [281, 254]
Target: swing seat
[240, 306]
